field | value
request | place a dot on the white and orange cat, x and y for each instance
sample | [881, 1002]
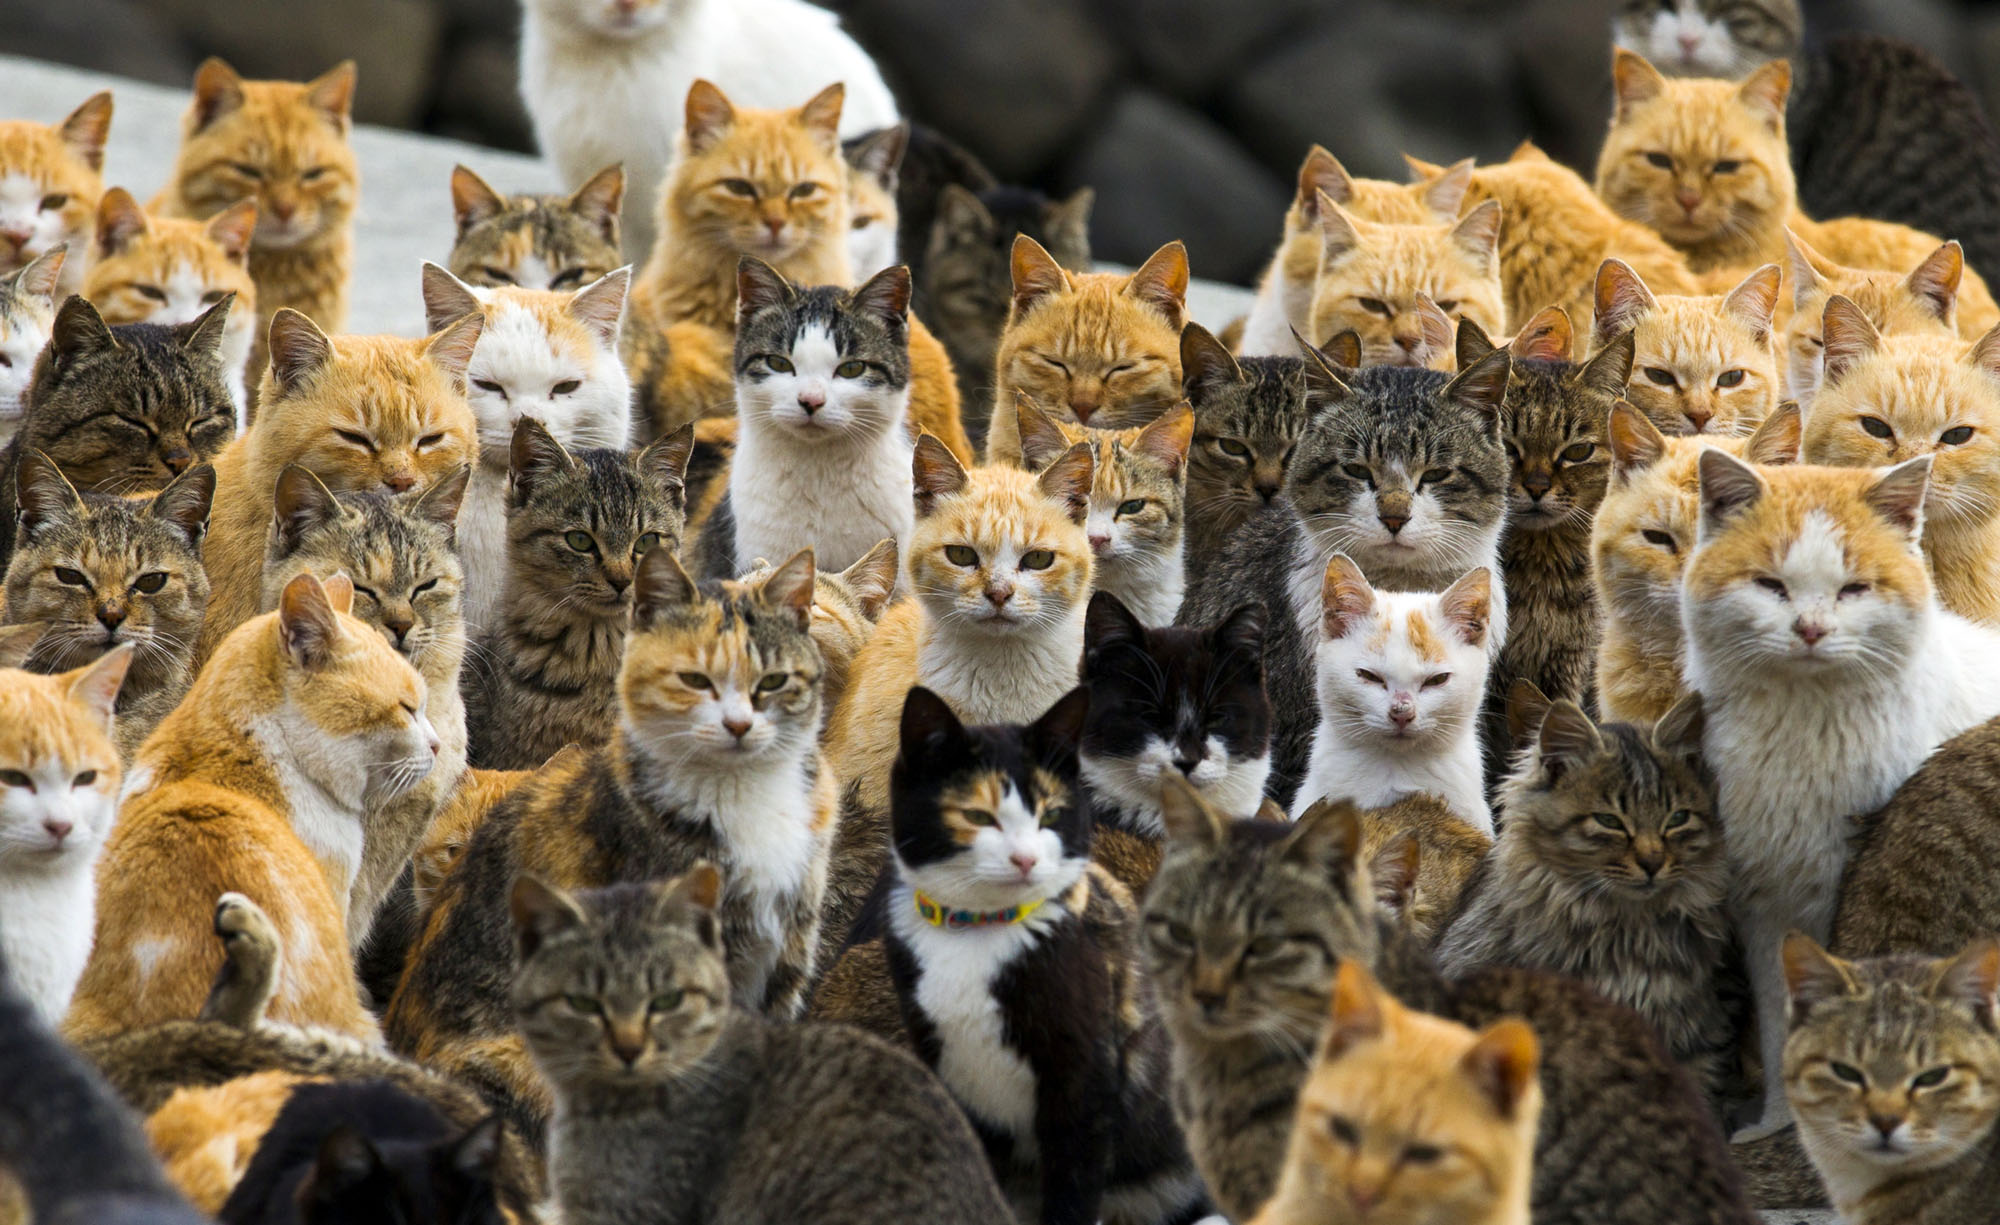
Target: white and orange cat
[1371, 277]
[1925, 302]
[1702, 364]
[50, 179]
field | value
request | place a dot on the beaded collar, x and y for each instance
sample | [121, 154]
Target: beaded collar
[960, 920]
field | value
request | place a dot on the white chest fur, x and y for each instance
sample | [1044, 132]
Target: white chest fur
[788, 492]
[46, 922]
[1002, 678]
[323, 780]
[482, 548]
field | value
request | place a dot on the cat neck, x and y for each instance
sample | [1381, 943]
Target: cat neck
[1149, 584]
[47, 914]
[1868, 1194]
[550, 643]
[925, 925]
[693, 277]
[741, 796]
[1376, 770]
[1001, 678]
[322, 783]
[311, 277]
[688, 25]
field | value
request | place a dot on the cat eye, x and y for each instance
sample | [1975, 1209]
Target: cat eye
[697, 680]
[1344, 1130]
[583, 1004]
[150, 584]
[581, 542]
[72, 577]
[1058, 365]
[408, 709]
[1853, 589]
[1423, 1154]
[1264, 946]
[772, 683]
[313, 175]
[211, 297]
[1664, 378]
[1680, 818]
[368, 592]
[1774, 587]
[1851, 1075]
[1052, 815]
[1728, 165]
[246, 170]
[1576, 453]
[1665, 541]
[1359, 472]
[566, 278]
[1930, 1079]
[1957, 435]
[778, 365]
[6, 362]
[740, 187]
[1038, 559]
[1133, 507]
[359, 440]
[1369, 678]
[424, 586]
[89, 777]
[1437, 678]
[14, 778]
[489, 385]
[54, 200]
[1729, 378]
[1231, 447]
[498, 274]
[961, 555]
[861, 223]
[1434, 476]
[1376, 306]
[645, 543]
[667, 1001]
[1877, 427]
[850, 370]
[152, 293]
[565, 387]
[803, 190]
[1608, 821]
[976, 816]
[1661, 160]
[1177, 933]
[428, 441]
[1447, 305]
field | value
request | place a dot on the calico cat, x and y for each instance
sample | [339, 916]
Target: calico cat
[674, 1106]
[162, 270]
[1892, 1065]
[553, 242]
[1887, 399]
[578, 526]
[101, 572]
[1808, 599]
[1700, 364]
[1372, 276]
[1401, 679]
[1096, 348]
[993, 915]
[54, 177]
[27, 317]
[1412, 1119]
[873, 159]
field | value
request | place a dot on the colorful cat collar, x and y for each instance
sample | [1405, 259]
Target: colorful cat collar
[959, 920]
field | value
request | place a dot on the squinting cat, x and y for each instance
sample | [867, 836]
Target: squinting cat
[27, 317]
[536, 241]
[50, 179]
[1700, 364]
[1372, 278]
[1923, 303]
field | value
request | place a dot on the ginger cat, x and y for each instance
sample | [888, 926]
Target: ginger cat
[1700, 364]
[50, 179]
[1373, 278]
[256, 785]
[360, 412]
[1410, 1119]
[1923, 303]
[285, 146]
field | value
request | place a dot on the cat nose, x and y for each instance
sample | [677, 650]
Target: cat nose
[618, 581]
[18, 235]
[1699, 417]
[1650, 862]
[110, 616]
[399, 482]
[1210, 998]
[1410, 342]
[58, 830]
[1084, 403]
[398, 625]
[628, 1046]
[812, 400]
[1886, 1124]
[1100, 543]
[284, 209]
[1392, 520]
[1687, 198]
[1403, 711]
[738, 728]
[1266, 489]
[1023, 861]
[1688, 43]
[1810, 632]
[1536, 484]
[1185, 764]
[178, 460]
[997, 594]
[774, 224]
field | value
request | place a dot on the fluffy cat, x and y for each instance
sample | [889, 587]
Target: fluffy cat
[1097, 348]
[1923, 303]
[1807, 603]
[1701, 364]
[1447, 852]
[1888, 399]
[873, 159]
[50, 179]
[27, 317]
[603, 80]
[552, 242]
[1373, 276]
[1411, 1120]
[675, 1107]
[1401, 679]
[101, 572]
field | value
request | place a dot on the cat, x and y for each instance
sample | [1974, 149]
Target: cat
[1013, 963]
[284, 145]
[715, 757]
[162, 270]
[1401, 679]
[102, 572]
[674, 1106]
[543, 353]
[1610, 869]
[602, 81]
[1807, 600]
[1138, 494]
[1639, 543]
[256, 784]
[1701, 364]
[121, 410]
[578, 526]
[1422, 895]
[27, 317]
[1371, 277]
[1887, 399]
[1891, 1066]
[553, 241]
[873, 160]
[847, 604]
[359, 412]
[1096, 348]
[1923, 303]
[54, 176]
[1706, 38]
[1411, 1119]
[1246, 926]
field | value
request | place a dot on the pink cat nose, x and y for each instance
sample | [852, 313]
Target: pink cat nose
[1024, 861]
[738, 728]
[1410, 342]
[1689, 42]
[1687, 199]
[15, 234]
[998, 594]
[399, 482]
[1810, 632]
[1699, 418]
[1402, 712]
[58, 830]
[1100, 543]
[812, 400]
[774, 224]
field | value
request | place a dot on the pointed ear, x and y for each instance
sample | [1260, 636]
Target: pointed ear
[203, 335]
[446, 298]
[929, 726]
[708, 115]
[1468, 603]
[1805, 265]
[533, 455]
[1973, 979]
[184, 504]
[473, 200]
[1777, 440]
[758, 286]
[232, 228]
[1850, 338]
[43, 495]
[119, 221]
[962, 212]
[300, 504]
[1337, 233]
[1609, 369]
[1471, 343]
[1985, 355]
[39, 277]
[1066, 482]
[1059, 731]
[17, 642]
[218, 91]
[821, 116]
[1107, 623]
[886, 295]
[1436, 326]
[1812, 976]
[95, 686]
[1527, 706]
[597, 202]
[935, 473]
[1679, 730]
[332, 94]
[477, 1153]
[1242, 632]
[1360, 1010]
[307, 624]
[1162, 281]
[700, 887]
[1326, 368]
[666, 461]
[1069, 219]
[1899, 495]
[440, 503]
[1392, 872]
[345, 1159]
[879, 154]
[1634, 80]
[1753, 302]
[790, 587]
[1187, 816]
[1321, 174]
[1529, 151]
[600, 305]
[1478, 234]
[1036, 274]
[87, 128]
[1042, 440]
[1345, 597]
[660, 586]
[1763, 93]
[1935, 282]
[873, 579]
[1207, 366]
[1728, 486]
[1445, 194]
[1620, 299]
[79, 330]
[1268, 810]
[298, 349]
[1166, 440]
[1503, 1064]
[450, 350]
[1419, 170]
[1636, 443]
[1483, 385]
[1328, 836]
[339, 592]
[1568, 740]
[540, 911]
[1546, 338]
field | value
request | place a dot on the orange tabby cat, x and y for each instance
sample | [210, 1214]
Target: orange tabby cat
[1924, 302]
[1700, 364]
[50, 179]
[358, 411]
[255, 784]
[1370, 277]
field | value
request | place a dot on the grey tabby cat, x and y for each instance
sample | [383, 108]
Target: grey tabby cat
[673, 1107]
[577, 525]
[408, 584]
[1245, 927]
[100, 571]
[536, 241]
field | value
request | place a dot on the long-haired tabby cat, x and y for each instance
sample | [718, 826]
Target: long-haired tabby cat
[535, 241]
[1702, 364]
[1925, 302]
[1409, 1119]
[53, 179]
[1373, 279]
[27, 317]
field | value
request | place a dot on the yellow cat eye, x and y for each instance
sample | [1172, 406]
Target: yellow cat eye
[1232, 448]
[1577, 452]
[583, 1004]
[566, 387]
[850, 370]
[84, 779]
[803, 190]
[667, 1001]
[581, 542]
[695, 680]
[1038, 559]
[961, 555]
[772, 683]
[150, 584]
[645, 543]
[778, 365]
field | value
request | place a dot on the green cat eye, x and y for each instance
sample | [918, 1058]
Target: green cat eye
[1851, 1075]
[1729, 378]
[583, 1004]
[1956, 436]
[1661, 376]
[1053, 814]
[667, 1001]
[645, 543]
[850, 370]
[1679, 819]
[1877, 427]
[1608, 821]
[1359, 472]
[1231, 447]
[72, 577]
[151, 292]
[695, 680]
[581, 542]
[1434, 476]
[1930, 1079]
[772, 683]
[150, 584]
[1038, 559]
[976, 816]
[1177, 933]
[1132, 507]
[777, 364]
[961, 555]
[1577, 452]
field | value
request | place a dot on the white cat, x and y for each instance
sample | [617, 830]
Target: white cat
[605, 80]
[1401, 680]
[27, 316]
[544, 354]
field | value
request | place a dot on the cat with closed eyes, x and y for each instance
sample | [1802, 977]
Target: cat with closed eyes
[558, 242]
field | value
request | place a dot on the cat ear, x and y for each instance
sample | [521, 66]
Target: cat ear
[476, 1155]
[1042, 440]
[1059, 731]
[1067, 222]
[1468, 604]
[1935, 282]
[1338, 236]
[1187, 816]
[929, 729]
[218, 91]
[879, 154]
[1327, 836]
[86, 129]
[79, 331]
[821, 116]
[1268, 810]
[1392, 873]
[533, 455]
[1636, 443]
[1610, 368]
[301, 504]
[1345, 597]
[1547, 337]
[758, 287]
[1471, 343]
[886, 295]
[1527, 706]
[540, 911]
[1166, 440]
[1207, 366]
[600, 305]
[961, 212]
[1812, 976]
[1444, 195]
[307, 624]
[1162, 281]
[119, 221]
[1568, 740]
[1973, 979]
[708, 116]
[665, 462]
[1107, 623]
[1754, 302]
[203, 335]
[43, 495]
[1483, 385]
[298, 349]
[95, 686]
[1321, 174]
[1899, 495]
[1242, 632]
[232, 228]
[1679, 730]
[1477, 234]
[345, 1160]
[1985, 354]
[185, 503]
[17, 642]
[332, 94]
[1066, 482]
[1728, 485]
[1805, 266]
[1763, 93]
[1504, 1064]
[446, 298]
[473, 200]
[1529, 151]
[790, 587]
[1036, 275]
[440, 503]
[1634, 80]
[873, 579]
[339, 591]
[699, 887]
[1435, 325]
[935, 473]
[661, 584]
[597, 202]
[39, 277]
[1340, 351]
[450, 350]
[1619, 300]
[1360, 1010]
[1777, 440]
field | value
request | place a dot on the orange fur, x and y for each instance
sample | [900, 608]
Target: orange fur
[1700, 364]
[205, 1136]
[64, 161]
[1373, 277]
[1924, 302]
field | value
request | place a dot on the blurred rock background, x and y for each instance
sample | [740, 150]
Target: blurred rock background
[1188, 116]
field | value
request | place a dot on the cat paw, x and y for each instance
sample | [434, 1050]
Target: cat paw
[242, 925]
[1759, 1131]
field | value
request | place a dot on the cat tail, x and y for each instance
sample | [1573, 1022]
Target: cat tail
[251, 955]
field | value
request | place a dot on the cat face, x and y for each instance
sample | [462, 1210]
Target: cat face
[845, 608]
[1552, 421]
[353, 1179]
[1707, 38]
[1402, 670]
[968, 268]
[162, 270]
[765, 183]
[872, 162]
[49, 184]
[1097, 348]
[822, 364]
[59, 774]
[560, 243]
[986, 818]
[619, 986]
[1248, 416]
[1698, 160]
[1924, 303]
[280, 144]
[1372, 277]
[27, 317]
[612, 18]
[1138, 484]
[1700, 365]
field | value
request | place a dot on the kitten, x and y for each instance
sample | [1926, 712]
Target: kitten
[847, 604]
[162, 270]
[1892, 1066]
[1923, 303]
[1013, 964]
[1410, 1119]
[578, 525]
[59, 779]
[1401, 678]
[873, 158]
[1700, 364]
[1807, 600]
[1097, 348]
[1610, 869]
[102, 572]
[603, 81]
[27, 317]
[50, 179]
[554, 242]
[303, 718]
[1706, 38]
[541, 353]
[674, 1106]
[1888, 399]
[1372, 277]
